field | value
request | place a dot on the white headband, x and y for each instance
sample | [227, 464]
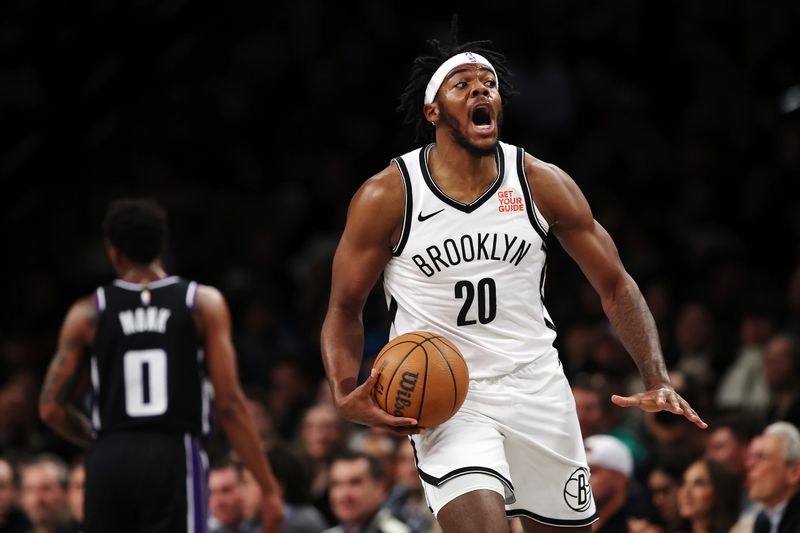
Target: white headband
[450, 64]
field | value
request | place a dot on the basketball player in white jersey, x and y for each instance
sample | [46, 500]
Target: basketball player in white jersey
[457, 229]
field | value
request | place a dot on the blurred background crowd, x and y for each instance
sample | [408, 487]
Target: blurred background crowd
[253, 124]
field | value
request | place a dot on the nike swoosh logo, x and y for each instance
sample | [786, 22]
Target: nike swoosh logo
[423, 218]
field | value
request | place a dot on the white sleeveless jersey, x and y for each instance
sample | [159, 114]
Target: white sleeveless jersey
[475, 272]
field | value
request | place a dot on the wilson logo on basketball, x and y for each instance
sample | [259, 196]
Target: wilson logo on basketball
[402, 399]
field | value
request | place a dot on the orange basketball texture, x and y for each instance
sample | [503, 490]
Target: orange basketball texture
[422, 376]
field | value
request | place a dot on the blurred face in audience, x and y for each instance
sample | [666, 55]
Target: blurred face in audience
[7, 490]
[355, 495]
[75, 492]
[664, 491]
[322, 432]
[407, 475]
[606, 483]
[265, 425]
[779, 363]
[770, 479]
[225, 501]
[44, 498]
[696, 493]
[590, 412]
[725, 448]
[251, 495]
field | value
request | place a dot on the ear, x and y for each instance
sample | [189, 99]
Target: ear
[793, 474]
[111, 250]
[431, 112]
[113, 255]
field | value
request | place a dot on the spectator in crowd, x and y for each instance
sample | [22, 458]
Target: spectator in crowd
[695, 343]
[225, 498]
[290, 391]
[12, 519]
[728, 442]
[251, 496]
[299, 516]
[379, 444]
[597, 415]
[782, 369]
[743, 385]
[323, 434]
[611, 466]
[709, 497]
[773, 478]
[77, 477]
[358, 490]
[663, 481]
[257, 403]
[44, 481]
[406, 500]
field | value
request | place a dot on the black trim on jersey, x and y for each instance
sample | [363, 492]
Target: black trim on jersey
[392, 310]
[416, 463]
[466, 208]
[553, 521]
[439, 481]
[526, 192]
[541, 289]
[409, 205]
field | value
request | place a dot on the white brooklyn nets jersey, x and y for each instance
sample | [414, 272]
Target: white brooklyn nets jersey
[475, 272]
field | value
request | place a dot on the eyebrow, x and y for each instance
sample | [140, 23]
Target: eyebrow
[465, 69]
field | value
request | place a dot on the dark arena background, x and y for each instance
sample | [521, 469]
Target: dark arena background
[253, 123]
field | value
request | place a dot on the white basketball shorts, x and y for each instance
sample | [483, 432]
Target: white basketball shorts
[518, 435]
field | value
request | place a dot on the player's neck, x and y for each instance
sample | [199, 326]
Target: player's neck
[460, 174]
[142, 273]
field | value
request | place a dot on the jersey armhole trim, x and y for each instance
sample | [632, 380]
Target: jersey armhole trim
[540, 226]
[100, 299]
[191, 294]
[407, 207]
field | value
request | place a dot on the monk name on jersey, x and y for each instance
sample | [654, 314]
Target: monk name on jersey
[143, 319]
[468, 248]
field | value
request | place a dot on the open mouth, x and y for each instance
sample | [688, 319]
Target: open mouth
[481, 116]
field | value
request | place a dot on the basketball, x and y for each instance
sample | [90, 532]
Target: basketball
[422, 375]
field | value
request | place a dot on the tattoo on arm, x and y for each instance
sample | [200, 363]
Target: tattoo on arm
[59, 380]
[633, 322]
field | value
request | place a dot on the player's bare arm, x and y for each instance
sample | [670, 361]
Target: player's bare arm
[589, 244]
[374, 219]
[214, 322]
[65, 372]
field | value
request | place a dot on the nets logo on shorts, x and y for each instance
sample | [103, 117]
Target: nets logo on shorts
[577, 492]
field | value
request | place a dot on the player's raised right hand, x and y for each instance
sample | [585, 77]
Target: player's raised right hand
[360, 407]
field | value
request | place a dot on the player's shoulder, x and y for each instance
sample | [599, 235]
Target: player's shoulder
[383, 189]
[85, 306]
[543, 173]
[209, 296]
[556, 194]
[82, 317]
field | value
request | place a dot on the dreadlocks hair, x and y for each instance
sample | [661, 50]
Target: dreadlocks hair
[413, 97]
